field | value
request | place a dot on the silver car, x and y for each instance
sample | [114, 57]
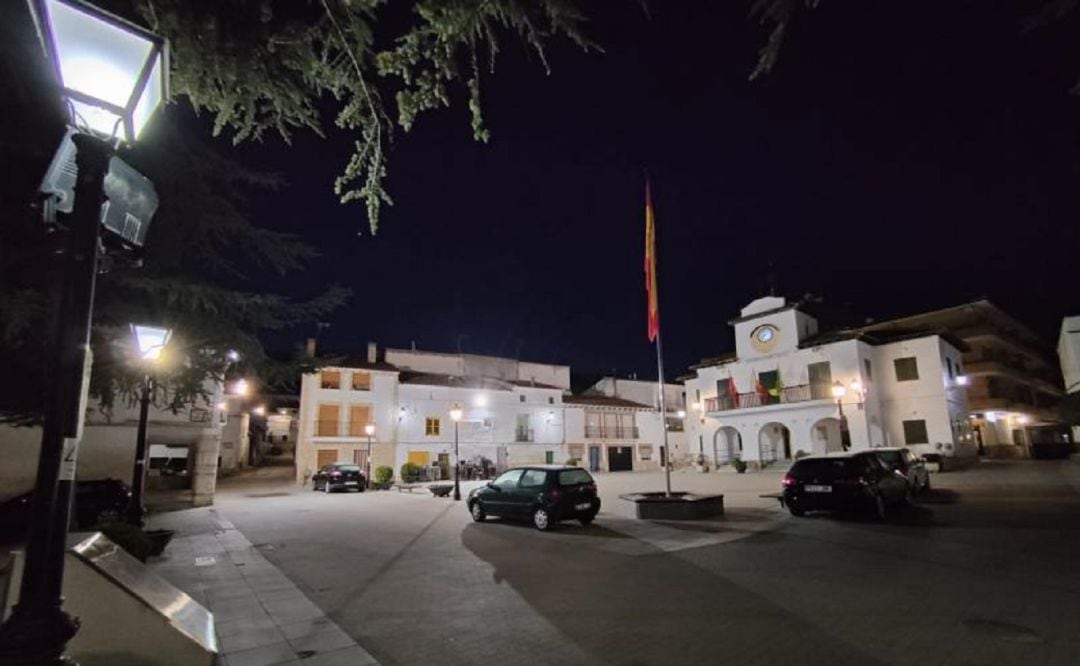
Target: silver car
[902, 461]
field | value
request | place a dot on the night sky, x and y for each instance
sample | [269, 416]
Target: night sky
[899, 159]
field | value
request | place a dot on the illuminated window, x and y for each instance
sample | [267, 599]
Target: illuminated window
[432, 426]
[330, 379]
[361, 381]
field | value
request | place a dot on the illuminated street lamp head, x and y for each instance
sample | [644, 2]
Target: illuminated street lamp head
[856, 387]
[259, 411]
[455, 413]
[369, 429]
[241, 387]
[113, 73]
[681, 413]
[232, 355]
[838, 390]
[961, 380]
[480, 400]
[150, 341]
[696, 406]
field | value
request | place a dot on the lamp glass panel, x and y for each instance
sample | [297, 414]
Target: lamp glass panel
[151, 340]
[150, 99]
[97, 119]
[95, 57]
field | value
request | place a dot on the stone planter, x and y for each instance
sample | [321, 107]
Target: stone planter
[676, 506]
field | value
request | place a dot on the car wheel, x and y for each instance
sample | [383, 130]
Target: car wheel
[587, 520]
[541, 520]
[795, 511]
[477, 512]
[879, 507]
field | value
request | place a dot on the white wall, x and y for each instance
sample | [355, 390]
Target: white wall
[1069, 352]
[644, 392]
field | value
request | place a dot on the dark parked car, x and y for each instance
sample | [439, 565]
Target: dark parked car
[339, 476]
[901, 459]
[92, 499]
[843, 482]
[543, 494]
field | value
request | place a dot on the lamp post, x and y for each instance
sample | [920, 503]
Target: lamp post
[838, 392]
[455, 416]
[113, 75]
[149, 343]
[369, 430]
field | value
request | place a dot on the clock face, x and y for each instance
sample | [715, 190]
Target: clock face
[763, 338]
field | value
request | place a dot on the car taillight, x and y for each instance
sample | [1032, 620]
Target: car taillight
[335, 474]
[787, 481]
[591, 487]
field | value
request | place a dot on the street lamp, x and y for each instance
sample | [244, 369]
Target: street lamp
[369, 430]
[838, 392]
[455, 416]
[149, 343]
[112, 75]
[241, 387]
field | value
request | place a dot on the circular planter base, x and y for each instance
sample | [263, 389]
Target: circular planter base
[676, 506]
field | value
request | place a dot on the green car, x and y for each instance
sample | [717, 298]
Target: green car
[542, 494]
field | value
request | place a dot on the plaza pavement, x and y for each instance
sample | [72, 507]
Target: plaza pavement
[982, 572]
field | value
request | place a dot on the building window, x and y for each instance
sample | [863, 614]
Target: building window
[361, 381]
[359, 416]
[820, 376]
[915, 432]
[869, 368]
[432, 426]
[330, 379]
[958, 370]
[521, 398]
[907, 369]
[551, 400]
[948, 366]
[327, 425]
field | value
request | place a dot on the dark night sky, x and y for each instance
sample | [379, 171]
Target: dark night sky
[898, 160]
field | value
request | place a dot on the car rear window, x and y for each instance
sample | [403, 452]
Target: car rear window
[574, 477]
[820, 466]
[349, 468]
[892, 458]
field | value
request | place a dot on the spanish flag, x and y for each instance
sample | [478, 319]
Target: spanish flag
[650, 266]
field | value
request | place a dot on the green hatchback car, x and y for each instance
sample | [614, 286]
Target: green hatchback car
[541, 494]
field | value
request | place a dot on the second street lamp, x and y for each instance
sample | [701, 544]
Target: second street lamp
[369, 430]
[838, 392]
[149, 344]
[455, 416]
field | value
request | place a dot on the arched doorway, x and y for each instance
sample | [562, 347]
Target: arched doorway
[727, 443]
[825, 436]
[774, 443]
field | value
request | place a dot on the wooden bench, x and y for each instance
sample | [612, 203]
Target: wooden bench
[408, 486]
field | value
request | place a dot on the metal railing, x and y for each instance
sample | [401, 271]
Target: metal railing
[524, 435]
[788, 394]
[611, 432]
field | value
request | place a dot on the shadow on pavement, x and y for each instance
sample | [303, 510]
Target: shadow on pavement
[650, 609]
[567, 528]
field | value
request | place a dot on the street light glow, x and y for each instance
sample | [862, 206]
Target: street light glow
[150, 341]
[480, 400]
[369, 429]
[114, 74]
[455, 413]
[241, 387]
[838, 390]
[681, 413]
[962, 380]
[856, 386]
[259, 411]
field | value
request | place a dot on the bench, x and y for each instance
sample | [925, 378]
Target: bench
[408, 486]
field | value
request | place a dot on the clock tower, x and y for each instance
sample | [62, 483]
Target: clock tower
[769, 326]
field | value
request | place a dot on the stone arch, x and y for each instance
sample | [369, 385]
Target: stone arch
[774, 443]
[825, 435]
[727, 443]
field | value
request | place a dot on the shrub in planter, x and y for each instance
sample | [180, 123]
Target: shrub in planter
[739, 464]
[384, 476]
[572, 461]
[410, 472]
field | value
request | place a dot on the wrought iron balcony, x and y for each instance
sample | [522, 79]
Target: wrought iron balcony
[611, 432]
[786, 395]
[524, 435]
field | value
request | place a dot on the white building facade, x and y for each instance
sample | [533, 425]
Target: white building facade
[789, 388]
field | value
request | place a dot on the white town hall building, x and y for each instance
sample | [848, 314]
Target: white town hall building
[787, 386]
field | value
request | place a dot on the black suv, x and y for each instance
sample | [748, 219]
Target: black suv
[840, 482]
[543, 494]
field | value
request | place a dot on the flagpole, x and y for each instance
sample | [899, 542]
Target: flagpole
[663, 408]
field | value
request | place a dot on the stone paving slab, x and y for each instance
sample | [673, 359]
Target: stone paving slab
[262, 618]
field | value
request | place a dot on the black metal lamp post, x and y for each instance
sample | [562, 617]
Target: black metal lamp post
[839, 391]
[113, 75]
[369, 430]
[150, 342]
[455, 416]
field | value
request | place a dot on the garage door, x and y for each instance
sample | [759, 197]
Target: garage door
[325, 457]
[620, 458]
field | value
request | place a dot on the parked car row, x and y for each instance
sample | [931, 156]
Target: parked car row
[875, 480]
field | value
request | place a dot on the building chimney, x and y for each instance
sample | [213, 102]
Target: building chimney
[311, 347]
[372, 352]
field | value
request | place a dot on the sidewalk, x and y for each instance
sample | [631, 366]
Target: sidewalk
[261, 617]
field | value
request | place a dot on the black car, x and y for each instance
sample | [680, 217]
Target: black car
[843, 482]
[543, 494]
[339, 476]
[901, 459]
[94, 501]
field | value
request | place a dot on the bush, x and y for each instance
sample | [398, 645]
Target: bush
[739, 464]
[384, 475]
[800, 454]
[410, 472]
[572, 461]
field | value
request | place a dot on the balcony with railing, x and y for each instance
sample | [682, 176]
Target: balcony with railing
[611, 432]
[522, 434]
[783, 396]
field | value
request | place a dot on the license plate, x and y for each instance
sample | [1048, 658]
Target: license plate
[817, 489]
[352, 483]
[582, 507]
